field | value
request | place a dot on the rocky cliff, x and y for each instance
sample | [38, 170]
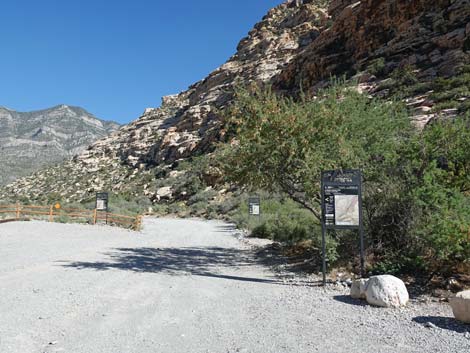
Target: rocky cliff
[414, 50]
[33, 140]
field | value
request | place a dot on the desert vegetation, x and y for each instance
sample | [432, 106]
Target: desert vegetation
[416, 200]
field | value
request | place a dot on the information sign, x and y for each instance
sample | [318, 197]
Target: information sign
[341, 199]
[341, 203]
[102, 201]
[254, 206]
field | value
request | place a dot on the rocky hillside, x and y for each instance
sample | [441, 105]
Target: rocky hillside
[418, 50]
[33, 140]
[414, 50]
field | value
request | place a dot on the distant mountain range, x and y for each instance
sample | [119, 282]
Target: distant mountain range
[32, 140]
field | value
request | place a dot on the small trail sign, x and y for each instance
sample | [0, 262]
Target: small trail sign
[102, 201]
[254, 206]
[341, 204]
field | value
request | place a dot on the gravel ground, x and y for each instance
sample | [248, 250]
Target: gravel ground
[186, 286]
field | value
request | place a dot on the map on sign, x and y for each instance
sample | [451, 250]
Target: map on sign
[255, 210]
[347, 210]
[341, 199]
[100, 205]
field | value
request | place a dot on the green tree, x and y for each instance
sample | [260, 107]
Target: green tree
[417, 182]
[283, 145]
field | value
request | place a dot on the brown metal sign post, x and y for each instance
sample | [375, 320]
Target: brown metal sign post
[341, 204]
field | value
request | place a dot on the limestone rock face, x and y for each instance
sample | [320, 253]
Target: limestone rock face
[461, 306]
[424, 33]
[386, 291]
[432, 37]
[337, 6]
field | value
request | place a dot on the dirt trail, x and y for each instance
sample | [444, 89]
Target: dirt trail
[185, 286]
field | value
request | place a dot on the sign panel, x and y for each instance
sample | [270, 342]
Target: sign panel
[254, 206]
[341, 199]
[102, 201]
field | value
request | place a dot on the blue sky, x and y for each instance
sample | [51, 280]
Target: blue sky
[115, 57]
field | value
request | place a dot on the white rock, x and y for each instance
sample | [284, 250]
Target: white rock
[386, 291]
[358, 288]
[164, 191]
[461, 306]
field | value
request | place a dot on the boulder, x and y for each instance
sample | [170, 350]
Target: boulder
[164, 192]
[386, 291]
[358, 288]
[460, 305]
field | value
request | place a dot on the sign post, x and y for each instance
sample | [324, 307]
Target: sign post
[102, 200]
[254, 206]
[341, 203]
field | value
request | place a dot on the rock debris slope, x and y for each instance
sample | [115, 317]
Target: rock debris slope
[29, 141]
[383, 44]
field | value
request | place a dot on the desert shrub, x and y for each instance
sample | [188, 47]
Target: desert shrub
[441, 194]
[52, 198]
[282, 220]
[377, 67]
[63, 219]
[283, 145]
[202, 197]
[405, 76]
[416, 182]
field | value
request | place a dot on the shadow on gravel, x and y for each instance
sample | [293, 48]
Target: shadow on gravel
[206, 262]
[445, 323]
[229, 228]
[348, 300]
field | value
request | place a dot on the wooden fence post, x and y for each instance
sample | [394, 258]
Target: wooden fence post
[94, 216]
[17, 211]
[138, 222]
[51, 214]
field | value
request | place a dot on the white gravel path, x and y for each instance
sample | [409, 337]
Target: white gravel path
[185, 286]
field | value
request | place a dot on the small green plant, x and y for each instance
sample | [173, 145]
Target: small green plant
[377, 67]
[62, 219]
[405, 75]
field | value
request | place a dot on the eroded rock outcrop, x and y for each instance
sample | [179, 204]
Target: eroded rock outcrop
[431, 37]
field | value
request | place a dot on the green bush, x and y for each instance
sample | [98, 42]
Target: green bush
[377, 67]
[417, 183]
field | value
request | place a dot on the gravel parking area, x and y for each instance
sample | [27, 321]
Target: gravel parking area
[186, 286]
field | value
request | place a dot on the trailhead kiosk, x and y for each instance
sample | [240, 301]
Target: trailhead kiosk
[341, 204]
